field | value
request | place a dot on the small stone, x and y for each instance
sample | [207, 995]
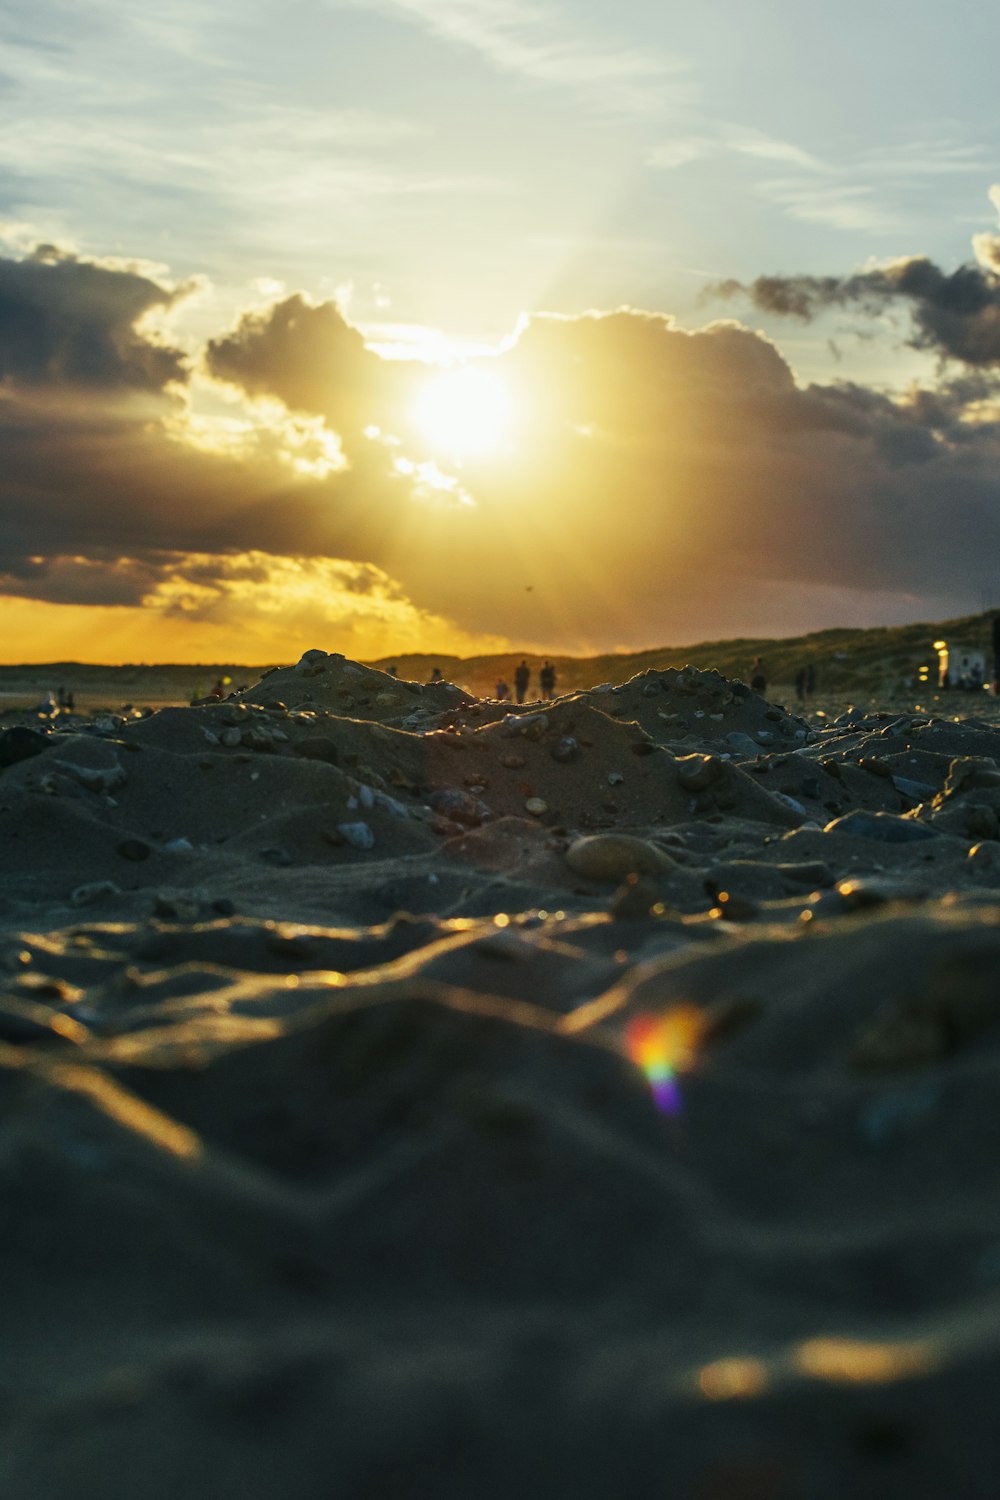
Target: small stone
[94, 890]
[512, 762]
[231, 737]
[615, 778]
[358, 835]
[613, 856]
[536, 806]
[318, 747]
[566, 750]
[459, 806]
[696, 773]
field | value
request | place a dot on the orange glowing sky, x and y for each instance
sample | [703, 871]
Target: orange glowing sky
[446, 326]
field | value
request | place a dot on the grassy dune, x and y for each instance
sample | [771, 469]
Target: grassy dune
[848, 663]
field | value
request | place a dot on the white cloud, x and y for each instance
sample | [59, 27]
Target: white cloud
[548, 48]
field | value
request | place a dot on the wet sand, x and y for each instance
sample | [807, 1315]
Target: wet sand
[405, 1094]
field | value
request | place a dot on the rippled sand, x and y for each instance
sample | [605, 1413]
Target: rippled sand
[402, 1095]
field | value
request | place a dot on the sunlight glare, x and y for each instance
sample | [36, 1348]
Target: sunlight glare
[464, 412]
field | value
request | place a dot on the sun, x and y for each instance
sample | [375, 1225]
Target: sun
[464, 412]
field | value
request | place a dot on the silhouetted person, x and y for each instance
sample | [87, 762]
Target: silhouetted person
[218, 691]
[800, 684]
[522, 676]
[436, 675]
[758, 676]
[503, 691]
[810, 680]
[547, 680]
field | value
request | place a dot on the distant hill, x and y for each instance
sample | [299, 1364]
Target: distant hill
[846, 662]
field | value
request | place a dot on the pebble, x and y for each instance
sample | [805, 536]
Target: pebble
[566, 750]
[792, 803]
[696, 773]
[358, 835]
[94, 890]
[532, 725]
[615, 778]
[536, 806]
[231, 737]
[613, 856]
[460, 806]
[318, 747]
[741, 744]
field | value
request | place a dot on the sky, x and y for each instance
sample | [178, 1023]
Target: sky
[489, 325]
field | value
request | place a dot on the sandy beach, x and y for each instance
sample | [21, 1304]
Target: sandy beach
[408, 1094]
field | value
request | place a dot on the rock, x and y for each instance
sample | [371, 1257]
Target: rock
[792, 803]
[615, 778]
[532, 725]
[310, 659]
[917, 791]
[613, 856]
[231, 737]
[318, 747]
[742, 745]
[536, 806]
[696, 773]
[883, 827]
[459, 806]
[358, 835]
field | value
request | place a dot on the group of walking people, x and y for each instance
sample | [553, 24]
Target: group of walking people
[522, 679]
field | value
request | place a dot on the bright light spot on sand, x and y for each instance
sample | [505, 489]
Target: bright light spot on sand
[464, 412]
[851, 1362]
[732, 1379]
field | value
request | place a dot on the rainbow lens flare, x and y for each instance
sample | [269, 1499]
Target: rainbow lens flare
[664, 1046]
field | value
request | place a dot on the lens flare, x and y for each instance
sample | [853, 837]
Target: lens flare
[664, 1046]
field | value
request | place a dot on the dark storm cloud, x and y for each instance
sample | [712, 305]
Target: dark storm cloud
[70, 322]
[955, 314]
[657, 481]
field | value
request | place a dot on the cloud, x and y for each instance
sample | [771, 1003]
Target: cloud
[73, 322]
[656, 484]
[525, 41]
[955, 314]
